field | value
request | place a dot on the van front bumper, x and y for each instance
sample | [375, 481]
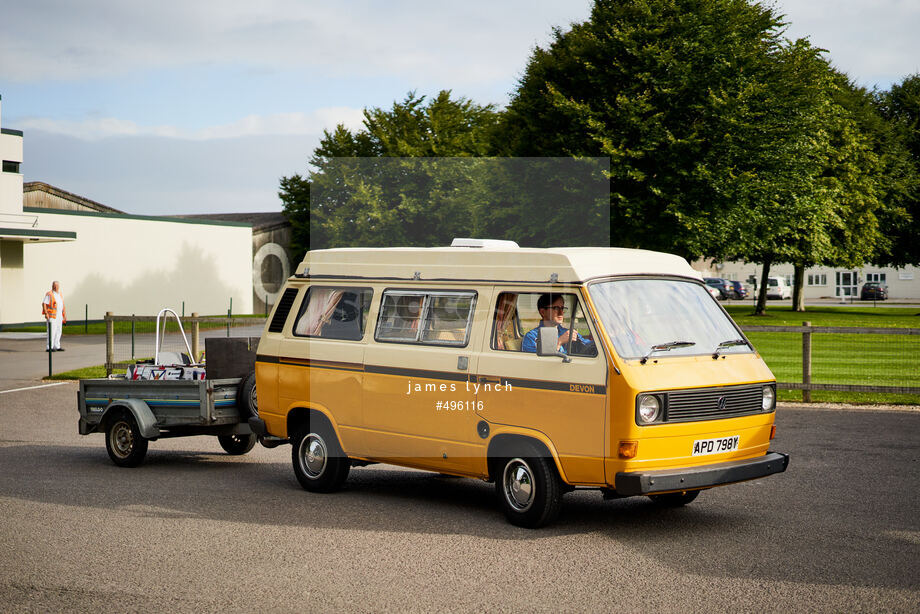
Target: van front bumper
[689, 478]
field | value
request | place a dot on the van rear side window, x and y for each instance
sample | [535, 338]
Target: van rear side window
[430, 318]
[334, 313]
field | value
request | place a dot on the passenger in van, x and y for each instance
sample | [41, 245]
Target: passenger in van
[552, 311]
[506, 335]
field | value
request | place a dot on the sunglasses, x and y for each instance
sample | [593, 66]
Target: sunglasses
[559, 308]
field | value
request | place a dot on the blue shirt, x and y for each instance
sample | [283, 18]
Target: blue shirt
[529, 344]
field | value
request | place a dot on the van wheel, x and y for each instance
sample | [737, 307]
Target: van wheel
[529, 490]
[246, 398]
[319, 463]
[675, 499]
[123, 441]
[237, 444]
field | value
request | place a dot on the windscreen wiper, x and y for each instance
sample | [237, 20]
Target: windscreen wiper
[666, 347]
[727, 344]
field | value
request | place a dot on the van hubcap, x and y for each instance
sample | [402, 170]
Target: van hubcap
[518, 484]
[313, 455]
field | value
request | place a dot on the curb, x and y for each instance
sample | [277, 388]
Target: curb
[846, 407]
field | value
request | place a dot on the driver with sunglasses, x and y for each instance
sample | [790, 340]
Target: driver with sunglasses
[552, 311]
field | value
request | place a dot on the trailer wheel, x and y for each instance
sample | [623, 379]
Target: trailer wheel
[247, 401]
[123, 441]
[237, 445]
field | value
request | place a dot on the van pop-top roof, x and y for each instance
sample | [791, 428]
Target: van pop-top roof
[491, 262]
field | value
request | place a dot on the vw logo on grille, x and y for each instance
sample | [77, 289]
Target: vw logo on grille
[721, 403]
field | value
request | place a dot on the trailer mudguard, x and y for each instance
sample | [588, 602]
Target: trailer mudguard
[146, 421]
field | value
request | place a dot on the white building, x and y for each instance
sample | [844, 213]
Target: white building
[109, 261]
[821, 281]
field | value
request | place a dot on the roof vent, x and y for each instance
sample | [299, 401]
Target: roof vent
[487, 243]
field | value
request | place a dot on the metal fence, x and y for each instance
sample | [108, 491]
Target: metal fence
[132, 338]
[842, 359]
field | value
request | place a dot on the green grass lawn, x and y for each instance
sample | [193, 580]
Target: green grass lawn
[867, 317]
[124, 328]
[84, 373]
[883, 360]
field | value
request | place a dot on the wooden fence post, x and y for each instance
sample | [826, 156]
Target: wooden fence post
[806, 361]
[195, 342]
[109, 343]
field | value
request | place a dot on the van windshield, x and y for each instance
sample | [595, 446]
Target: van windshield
[639, 314]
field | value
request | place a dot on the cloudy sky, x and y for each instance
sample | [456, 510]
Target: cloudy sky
[201, 106]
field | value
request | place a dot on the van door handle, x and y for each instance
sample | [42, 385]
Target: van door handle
[487, 379]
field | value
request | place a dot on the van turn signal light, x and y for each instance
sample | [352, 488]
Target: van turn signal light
[772, 431]
[628, 449]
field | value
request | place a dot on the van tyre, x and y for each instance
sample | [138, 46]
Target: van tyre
[529, 489]
[247, 402]
[123, 441]
[319, 463]
[237, 445]
[675, 499]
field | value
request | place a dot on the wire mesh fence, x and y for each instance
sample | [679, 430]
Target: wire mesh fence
[130, 339]
[860, 363]
[879, 361]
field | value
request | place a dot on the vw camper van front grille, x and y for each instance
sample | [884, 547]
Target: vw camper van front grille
[714, 403]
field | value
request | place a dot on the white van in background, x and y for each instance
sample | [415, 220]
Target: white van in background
[778, 287]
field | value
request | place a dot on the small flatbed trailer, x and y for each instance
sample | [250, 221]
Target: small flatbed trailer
[174, 397]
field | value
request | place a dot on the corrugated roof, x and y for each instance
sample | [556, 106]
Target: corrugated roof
[39, 186]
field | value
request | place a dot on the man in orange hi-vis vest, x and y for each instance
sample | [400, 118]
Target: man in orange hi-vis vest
[55, 315]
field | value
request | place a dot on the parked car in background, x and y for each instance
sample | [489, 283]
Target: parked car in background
[873, 291]
[714, 292]
[778, 287]
[739, 289]
[722, 285]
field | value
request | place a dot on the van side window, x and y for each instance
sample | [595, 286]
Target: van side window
[516, 314]
[334, 313]
[430, 318]
[448, 319]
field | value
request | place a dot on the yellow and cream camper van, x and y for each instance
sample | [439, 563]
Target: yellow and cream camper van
[541, 370]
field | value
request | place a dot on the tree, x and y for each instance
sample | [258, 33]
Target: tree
[852, 179]
[657, 86]
[899, 141]
[725, 140]
[366, 190]
[295, 202]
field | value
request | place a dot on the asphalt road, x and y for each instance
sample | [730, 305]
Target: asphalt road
[195, 530]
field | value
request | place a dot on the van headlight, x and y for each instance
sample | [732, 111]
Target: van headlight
[769, 398]
[648, 409]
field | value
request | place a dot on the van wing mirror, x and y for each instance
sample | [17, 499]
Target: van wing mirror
[548, 342]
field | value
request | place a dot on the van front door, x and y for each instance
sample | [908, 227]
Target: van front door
[566, 402]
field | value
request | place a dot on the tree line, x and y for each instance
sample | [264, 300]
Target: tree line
[713, 136]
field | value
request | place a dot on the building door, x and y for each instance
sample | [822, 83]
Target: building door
[847, 282]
